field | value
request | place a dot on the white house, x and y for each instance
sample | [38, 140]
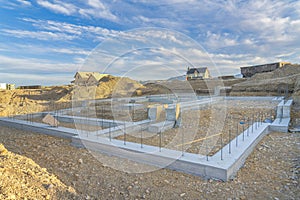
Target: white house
[2, 86]
[197, 73]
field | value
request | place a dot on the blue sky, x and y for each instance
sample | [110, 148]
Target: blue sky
[47, 41]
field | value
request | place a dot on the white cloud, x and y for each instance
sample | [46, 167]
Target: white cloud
[35, 66]
[76, 31]
[58, 6]
[40, 35]
[14, 4]
[24, 2]
[90, 8]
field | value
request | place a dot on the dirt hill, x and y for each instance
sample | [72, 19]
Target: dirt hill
[21, 101]
[22, 178]
[270, 82]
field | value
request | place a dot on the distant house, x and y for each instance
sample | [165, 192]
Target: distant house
[95, 78]
[251, 70]
[7, 86]
[10, 86]
[197, 73]
[3, 86]
[87, 78]
[30, 87]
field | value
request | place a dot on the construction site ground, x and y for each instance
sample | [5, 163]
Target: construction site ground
[270, 172]
[37, 166]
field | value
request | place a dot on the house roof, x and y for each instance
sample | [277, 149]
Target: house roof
[86, 75]
[199, 70]
[98, 76]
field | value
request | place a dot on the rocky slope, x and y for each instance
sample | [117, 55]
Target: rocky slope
[270, 82]
[22, 178]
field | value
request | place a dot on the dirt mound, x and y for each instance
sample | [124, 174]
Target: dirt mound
[108, 86]
[22, 178]
[270, 82]
[296, 94]
[117, 86]
[22, 101]
[287, 70]
[58, 93]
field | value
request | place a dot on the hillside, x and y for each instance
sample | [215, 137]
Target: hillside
[268, 83]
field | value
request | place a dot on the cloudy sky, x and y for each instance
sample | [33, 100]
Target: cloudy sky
[47, 41]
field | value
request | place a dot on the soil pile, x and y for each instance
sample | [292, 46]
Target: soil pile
[22, 101]
[117, 86]
[296, 95]
[177, 86]
[269, 82]
[109, 86]
[22, 178]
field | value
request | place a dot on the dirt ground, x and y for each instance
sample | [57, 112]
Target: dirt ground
[270, 172]
[21, 177]
[43, 167]
[269, 83]
[210, 131]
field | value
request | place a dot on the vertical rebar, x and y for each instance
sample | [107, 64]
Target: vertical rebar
[206, 149]
[102, 115]
[255, 122]
[221, 146]
[243, 130]
[109, 131]
[248, 122]
[124, 133]
[182, 146]
[159, 140]
[133, 112]
[141, 136]
[261, 116]
[252, 122]
[229, 141]
[237, 133]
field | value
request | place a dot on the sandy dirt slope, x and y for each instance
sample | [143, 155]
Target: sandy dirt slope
[21, 178]
[15, 102]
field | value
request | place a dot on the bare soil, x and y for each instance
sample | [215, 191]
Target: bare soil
[22, 178]
[85, 127]
[209, 133]
[270, 172]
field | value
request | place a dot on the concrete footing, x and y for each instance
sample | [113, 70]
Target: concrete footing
[222, 165]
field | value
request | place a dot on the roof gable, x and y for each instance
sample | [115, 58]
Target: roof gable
[98, 76]
[86, 75]
[198, 70]
[83, 75]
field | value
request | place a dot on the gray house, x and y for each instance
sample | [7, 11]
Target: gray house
[251, 70]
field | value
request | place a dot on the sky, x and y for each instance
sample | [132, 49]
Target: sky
[46, 41]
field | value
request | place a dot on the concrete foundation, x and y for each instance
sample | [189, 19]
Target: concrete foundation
[222, 165]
